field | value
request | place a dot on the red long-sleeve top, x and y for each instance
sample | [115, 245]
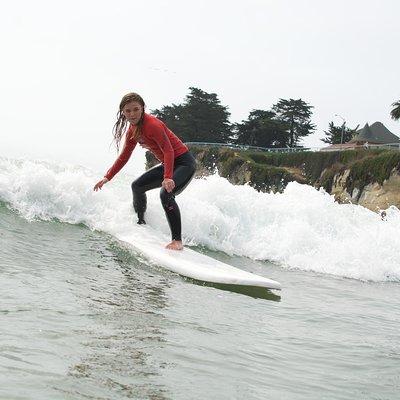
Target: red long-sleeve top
[156, 137]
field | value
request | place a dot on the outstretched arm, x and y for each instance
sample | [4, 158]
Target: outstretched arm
[122, 159]
[100, 184]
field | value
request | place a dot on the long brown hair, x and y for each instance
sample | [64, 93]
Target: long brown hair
[121, 124]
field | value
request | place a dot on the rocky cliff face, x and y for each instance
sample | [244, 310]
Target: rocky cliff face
[366, 177]
[374, 196]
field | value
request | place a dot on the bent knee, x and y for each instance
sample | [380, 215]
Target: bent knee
[136, 188]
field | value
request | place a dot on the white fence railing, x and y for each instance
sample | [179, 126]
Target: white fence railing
[245, 147]
[366, 146]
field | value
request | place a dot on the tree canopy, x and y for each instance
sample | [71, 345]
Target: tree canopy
[334, 134]
[296, 114]
[262, 129]
[200, 118]
[395, 113]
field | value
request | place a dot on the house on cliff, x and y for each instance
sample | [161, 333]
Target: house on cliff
[376, 135]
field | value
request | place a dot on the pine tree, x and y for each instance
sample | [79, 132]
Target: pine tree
[262, 129]
[334, 134]
[201, 118]
[296, 114]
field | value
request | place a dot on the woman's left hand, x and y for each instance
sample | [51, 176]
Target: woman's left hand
[168, 185]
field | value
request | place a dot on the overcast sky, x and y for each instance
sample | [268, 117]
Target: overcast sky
[66, 64]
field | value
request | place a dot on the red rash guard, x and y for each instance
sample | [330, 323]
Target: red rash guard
[156, 137]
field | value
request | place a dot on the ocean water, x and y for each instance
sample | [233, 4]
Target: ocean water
[83, 316]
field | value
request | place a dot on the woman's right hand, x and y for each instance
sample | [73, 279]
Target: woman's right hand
[100, 184]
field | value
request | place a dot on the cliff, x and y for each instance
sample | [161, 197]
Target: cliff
[370, 178]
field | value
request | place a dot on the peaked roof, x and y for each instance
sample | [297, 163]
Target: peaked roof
[376, 133]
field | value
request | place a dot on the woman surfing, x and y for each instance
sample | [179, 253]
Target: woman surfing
[177, 166]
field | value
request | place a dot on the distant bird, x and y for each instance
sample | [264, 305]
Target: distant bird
[162, 70]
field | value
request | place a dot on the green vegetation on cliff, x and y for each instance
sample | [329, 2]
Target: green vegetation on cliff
[272, 171]
[372, 169]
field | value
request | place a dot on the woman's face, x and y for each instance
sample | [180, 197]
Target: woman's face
[133, 112]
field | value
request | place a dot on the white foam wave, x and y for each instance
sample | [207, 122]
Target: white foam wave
[301, 228]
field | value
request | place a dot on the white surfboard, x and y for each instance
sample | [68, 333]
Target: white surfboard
[192, 264]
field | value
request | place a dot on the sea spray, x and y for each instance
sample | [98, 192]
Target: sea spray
[300, 228]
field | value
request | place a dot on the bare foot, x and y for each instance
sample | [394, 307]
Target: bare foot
[175, 245]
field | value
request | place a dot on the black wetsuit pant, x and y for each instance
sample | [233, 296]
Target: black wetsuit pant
[184, 169]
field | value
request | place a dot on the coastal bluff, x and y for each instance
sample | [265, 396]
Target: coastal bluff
[368, 177]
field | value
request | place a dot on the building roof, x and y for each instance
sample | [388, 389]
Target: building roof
[376, 133]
